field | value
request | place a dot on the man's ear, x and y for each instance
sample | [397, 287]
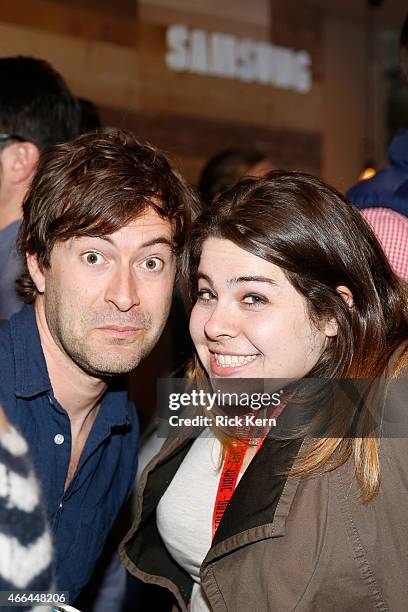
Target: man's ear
[35, 271]
[331, 326]
[19, 161]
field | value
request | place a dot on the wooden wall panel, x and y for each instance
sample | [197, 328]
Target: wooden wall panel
[211, 97]
[79, 20]
[114, 54]
[344, 119]
[239, 17]
[105, 73]
[123, 8]
[300, 25]
[191, 142]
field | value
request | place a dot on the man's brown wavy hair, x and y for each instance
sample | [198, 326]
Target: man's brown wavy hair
[93, 186]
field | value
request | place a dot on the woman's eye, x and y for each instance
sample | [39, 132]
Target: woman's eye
[92, 258]
[153, 264]
[204, 295]
[254, 300]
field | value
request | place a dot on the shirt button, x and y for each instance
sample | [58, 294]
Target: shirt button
[59, 439]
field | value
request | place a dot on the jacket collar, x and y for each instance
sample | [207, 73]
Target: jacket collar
[261, 501]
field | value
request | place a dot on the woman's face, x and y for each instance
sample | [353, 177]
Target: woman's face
[249, 321]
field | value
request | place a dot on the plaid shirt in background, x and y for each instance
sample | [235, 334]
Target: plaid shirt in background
[391, 229]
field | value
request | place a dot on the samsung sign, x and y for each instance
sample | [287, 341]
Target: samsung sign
[243, 59]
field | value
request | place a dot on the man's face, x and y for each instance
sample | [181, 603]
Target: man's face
[106, 300]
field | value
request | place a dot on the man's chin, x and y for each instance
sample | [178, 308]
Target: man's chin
[108, 370]
[106, 364]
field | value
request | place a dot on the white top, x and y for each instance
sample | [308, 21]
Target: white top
[184, 513]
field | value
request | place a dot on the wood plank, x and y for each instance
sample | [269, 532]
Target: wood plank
[202, 21]
[254, 13]
[104, 73]
[72, 20]
[124, 8]
[388, 15]
[299, 25]
[237, 17]
[211, 97]
[345, 116]
[192, 141]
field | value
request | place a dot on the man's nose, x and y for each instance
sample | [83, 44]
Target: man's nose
[221, 322]
[122, 290]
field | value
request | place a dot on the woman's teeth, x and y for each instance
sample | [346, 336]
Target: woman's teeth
[228, 361]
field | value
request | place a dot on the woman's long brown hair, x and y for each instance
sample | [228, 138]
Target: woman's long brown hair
[321, 242]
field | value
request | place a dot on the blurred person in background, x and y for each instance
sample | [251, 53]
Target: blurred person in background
[37, 110]
[227, 167]
[383, 199]
[90, 117]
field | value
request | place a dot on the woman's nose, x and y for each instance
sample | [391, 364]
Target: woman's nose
[221, 323]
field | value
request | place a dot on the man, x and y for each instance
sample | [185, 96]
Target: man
[36, 110]
[103, 222]
[383, 200]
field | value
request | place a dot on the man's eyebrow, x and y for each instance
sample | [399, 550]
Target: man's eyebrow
[158, 240]
[153, 242]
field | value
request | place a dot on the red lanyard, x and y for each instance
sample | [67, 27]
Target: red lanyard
[230, 472]
[229, 477]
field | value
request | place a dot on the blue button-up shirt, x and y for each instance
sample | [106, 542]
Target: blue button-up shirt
[11, 267]
[82, 516]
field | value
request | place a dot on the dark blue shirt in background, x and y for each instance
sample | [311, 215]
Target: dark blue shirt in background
[11, 267]
[82, 516]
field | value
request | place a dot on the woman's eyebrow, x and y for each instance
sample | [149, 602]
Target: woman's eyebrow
[202, 276]
[240, 279]
[252, 279]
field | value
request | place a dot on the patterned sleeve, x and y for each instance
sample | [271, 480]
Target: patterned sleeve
[26, 553]
[391, 229]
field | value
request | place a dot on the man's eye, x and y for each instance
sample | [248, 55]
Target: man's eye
[92, 258]
[153, 263]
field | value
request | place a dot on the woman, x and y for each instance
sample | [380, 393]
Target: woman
[288, 282]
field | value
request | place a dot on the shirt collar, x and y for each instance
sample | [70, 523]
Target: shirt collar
[115, 404]
[32, 375]
[31, 370]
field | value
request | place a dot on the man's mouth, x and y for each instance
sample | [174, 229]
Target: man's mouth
[120, 330]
